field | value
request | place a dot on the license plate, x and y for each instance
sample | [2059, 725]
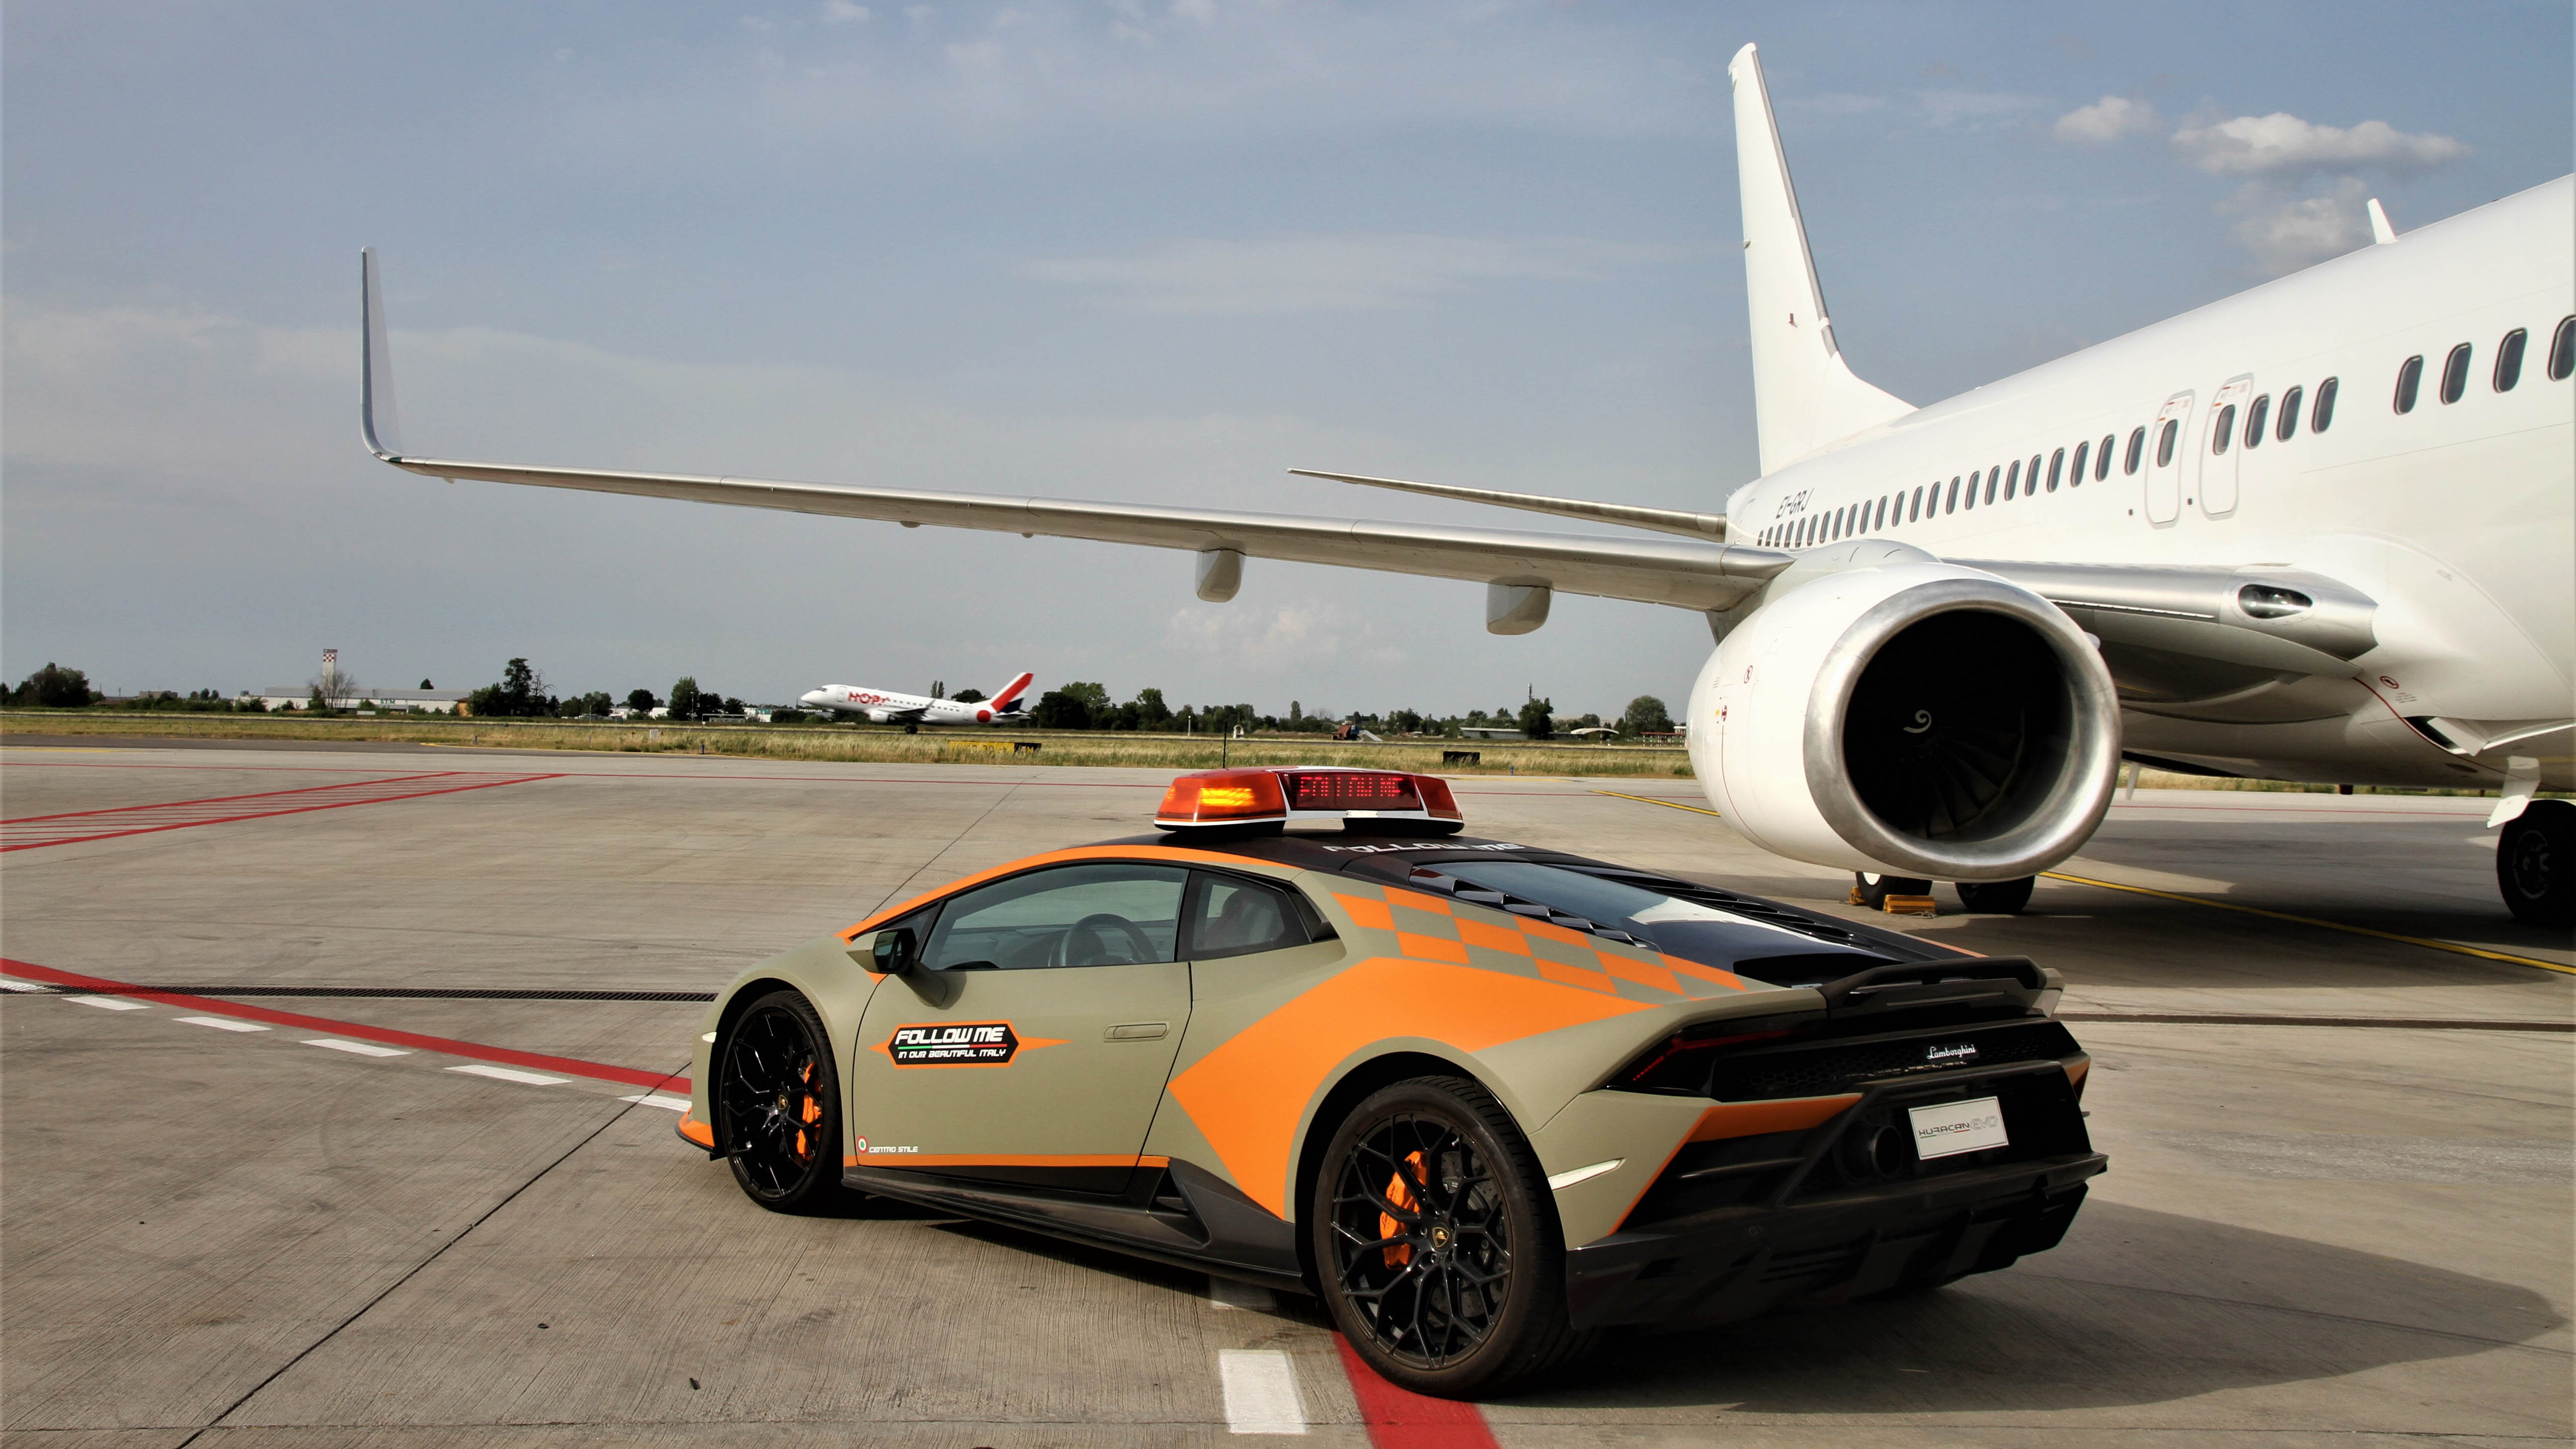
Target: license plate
[1956, 1127]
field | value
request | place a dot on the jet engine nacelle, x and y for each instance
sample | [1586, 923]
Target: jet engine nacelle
[1917, 718]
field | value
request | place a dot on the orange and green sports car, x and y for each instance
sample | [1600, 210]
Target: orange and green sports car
[1484, 1099]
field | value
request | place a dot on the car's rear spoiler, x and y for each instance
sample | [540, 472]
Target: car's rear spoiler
[1984, 981]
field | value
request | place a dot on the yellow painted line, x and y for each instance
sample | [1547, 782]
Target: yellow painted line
[2453, 946]
[1651, 800]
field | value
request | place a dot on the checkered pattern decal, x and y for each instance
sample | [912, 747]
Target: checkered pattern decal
[1431, 928]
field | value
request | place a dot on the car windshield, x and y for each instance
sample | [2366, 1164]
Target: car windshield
[1687, 929]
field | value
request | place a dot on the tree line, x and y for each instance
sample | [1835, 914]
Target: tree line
[1081, 705]
[520, 693]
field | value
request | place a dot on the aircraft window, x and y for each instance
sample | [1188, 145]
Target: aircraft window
[1953, 505]
[2165, 441]
[2012, 480]
[2508, 368]
[2410, 375]
[1231, 916]
[1994, 480]
[2323, 417]
[1972, 488]
[2224, 430]
[2255, 416]
[1839, 515]
[2102, 459]
[2455, 374]
[2030, 480]
[1882, 512]
[2075, 475]
[2562, 350]
[2057, 466]
[1115, 914]
[2289, 415]
[2137, 451]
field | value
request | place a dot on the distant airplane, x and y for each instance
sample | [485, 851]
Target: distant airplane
[882, 706]
[2318, 531]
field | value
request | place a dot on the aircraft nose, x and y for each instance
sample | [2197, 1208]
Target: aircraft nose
[811, 696]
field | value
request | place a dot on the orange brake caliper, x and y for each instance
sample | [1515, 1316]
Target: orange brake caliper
[1399, 1193]
[813, 1110]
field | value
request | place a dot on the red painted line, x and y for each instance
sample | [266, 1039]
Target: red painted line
[141, 810]
[228, 799]
[1399, 1418]
[412, 1040]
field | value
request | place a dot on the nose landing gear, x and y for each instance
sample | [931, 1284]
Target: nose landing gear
[1906, 896]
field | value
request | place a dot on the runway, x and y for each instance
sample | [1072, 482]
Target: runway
[335, 1110]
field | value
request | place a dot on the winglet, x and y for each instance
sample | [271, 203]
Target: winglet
[1804, 394]
[2380, 231]
[376, 365]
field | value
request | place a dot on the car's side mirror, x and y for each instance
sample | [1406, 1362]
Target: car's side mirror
[897, 951]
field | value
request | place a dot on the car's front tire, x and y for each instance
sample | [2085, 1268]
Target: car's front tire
[777, 1105]
[1436, 1242]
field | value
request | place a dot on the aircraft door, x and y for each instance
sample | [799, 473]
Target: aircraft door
[2166, 450]
[1031, 1044]
[2221, 447]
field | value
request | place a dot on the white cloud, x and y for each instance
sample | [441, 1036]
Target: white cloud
[2281, 144]
[1352, 272]
[2287, 231]
[843, 12]
[2107, 119]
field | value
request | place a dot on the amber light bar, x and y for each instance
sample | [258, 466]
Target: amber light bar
[1273, 794]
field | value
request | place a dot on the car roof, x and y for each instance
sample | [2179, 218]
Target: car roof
[1389, 858]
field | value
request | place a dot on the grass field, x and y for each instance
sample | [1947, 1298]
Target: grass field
[873, 744]
[960, 746]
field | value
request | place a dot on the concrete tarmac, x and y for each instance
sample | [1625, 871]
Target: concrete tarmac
[2340, 1214]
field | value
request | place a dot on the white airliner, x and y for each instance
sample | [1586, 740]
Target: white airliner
[885, 706]
[2324, 530]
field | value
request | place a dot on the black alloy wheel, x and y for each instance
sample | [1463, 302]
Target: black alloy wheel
[778, 1105]
[1995, 897]
[1436, 1242]
[2536, 864]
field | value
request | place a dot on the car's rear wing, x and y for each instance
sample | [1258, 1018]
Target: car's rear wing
[1981, 983]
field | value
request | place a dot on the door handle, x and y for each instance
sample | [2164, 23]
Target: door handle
[1137, 1031]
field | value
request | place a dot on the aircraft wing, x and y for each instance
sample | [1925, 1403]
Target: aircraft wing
[1654, 571]
[1685, 573]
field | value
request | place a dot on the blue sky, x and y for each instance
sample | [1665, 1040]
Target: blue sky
[1153, 251]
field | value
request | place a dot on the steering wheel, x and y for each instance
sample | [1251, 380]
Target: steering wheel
[1096, 923]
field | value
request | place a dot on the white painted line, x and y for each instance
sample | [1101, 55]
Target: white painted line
[221, 1023]
[1564, 1180]
[657, 1099]
[1260, 1391]
[504, 1074]
[8, 985]
[111, 1003]
[1226, 1293]
[362, 1048]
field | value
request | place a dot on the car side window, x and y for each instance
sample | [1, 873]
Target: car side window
[1232, 916]
[1111, 913]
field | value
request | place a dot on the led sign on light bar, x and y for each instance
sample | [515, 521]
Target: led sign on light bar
[1390, 800]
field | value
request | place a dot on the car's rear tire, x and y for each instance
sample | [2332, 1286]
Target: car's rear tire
[2536, 864]
[1436, 1242]
[1995, 897]
[777, 1104]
